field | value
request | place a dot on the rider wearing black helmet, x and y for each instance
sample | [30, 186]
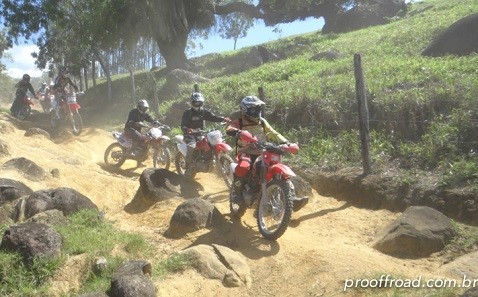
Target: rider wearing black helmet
[134, 123]
[252, 121]
[193, 119]
[23, 87]
[61, 82]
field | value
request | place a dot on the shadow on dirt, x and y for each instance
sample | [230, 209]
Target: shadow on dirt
[239, 236]
[296, 222]
[129, 173]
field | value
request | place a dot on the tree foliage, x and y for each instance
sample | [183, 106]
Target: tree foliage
[235, 25]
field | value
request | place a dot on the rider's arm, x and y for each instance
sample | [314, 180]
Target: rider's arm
[233, 128]
[209, 116]
[185, 123]
[72, 84]
[271, 134]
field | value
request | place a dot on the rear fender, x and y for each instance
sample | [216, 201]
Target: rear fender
[281, 169]
[74, 106]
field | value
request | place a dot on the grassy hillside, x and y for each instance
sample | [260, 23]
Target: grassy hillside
[423, 110]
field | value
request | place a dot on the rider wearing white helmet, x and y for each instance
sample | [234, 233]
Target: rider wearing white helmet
[252, 121]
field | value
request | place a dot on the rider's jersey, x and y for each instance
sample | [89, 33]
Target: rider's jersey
[194, 119]
[134, 117]
[61, 82]
[23, 87]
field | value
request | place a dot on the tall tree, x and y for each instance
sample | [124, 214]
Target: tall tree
[235, 25]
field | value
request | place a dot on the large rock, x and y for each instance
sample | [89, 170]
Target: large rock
[192, 215]
[219, 262]
[66, 200]
[466, 265]
[419, 232]
[460, 39]
[133, 279]
[32, 240]
[27, 168]
[11, 190]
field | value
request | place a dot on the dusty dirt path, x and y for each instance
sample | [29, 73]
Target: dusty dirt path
[328, 241]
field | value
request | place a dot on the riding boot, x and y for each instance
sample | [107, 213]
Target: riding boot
[189, 161]
[238, 184]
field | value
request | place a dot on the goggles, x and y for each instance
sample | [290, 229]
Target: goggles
[197, 103]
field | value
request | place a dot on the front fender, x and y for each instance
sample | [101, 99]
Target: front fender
[222, 147]
[282, 169]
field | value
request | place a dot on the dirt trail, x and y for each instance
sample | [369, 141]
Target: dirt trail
[328, 241]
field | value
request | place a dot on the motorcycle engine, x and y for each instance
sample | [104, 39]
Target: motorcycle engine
[203, 162]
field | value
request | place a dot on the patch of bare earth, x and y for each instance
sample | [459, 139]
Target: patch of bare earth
[327, 242]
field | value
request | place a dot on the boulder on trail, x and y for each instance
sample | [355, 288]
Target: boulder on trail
[32, 240]
[11, 190]
[133, 279]
[66, 200]
[192, 215]
[37, 131]
[161, 184]
[463, 265]
[419, 232]
[219, 262]
[29, 169]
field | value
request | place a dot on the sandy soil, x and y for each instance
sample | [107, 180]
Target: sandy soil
[327, 242]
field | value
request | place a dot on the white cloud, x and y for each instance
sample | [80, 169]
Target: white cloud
[23, 62]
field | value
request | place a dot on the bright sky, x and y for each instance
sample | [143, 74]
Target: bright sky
[23, 62]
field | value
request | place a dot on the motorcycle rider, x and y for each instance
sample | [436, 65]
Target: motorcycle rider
[193, 120]
[250, 120]
[23, 86]
[61, 82]
[134, 123]
[43, 90]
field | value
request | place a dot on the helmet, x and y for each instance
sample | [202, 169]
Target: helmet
[251, 108]
[52, 84]
[142, 105]
[43, 84]
[197, 100]
[26, 77]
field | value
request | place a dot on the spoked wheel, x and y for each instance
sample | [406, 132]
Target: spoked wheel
[275, 209]
[180, 163]
[224, 169]
[162, 158]
[76, 123]
[24, 112]
[115, 155]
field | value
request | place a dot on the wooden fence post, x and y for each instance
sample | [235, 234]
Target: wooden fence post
[196, 88]
[363, 115]
[262, 96]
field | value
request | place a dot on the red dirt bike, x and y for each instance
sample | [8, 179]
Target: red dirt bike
[67, 111]
[210, 155]
[274, 199]
[123, 149]
[25, 109]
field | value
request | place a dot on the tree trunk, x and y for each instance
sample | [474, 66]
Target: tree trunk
[85, 75]
[155, 95]
[106, 70]
[133, 85]
[173, 51]
[93, 72]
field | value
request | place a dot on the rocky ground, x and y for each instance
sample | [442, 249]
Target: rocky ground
[327, 242]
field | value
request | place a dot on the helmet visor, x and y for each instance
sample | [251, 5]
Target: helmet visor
[197, 103]
[143, 108]
[254, 112]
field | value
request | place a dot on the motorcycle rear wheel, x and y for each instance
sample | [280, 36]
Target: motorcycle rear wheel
[224, 169]
[162, 158]
[24, 112]
[115, 155]
[76, 123]
[275, 209]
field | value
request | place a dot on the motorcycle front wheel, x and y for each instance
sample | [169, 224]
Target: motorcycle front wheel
[115, 155]
[76, 123]
[24, 112]
[180, 163]
[275, 209]
[224, 169]
[54, 120]
[162, 158]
